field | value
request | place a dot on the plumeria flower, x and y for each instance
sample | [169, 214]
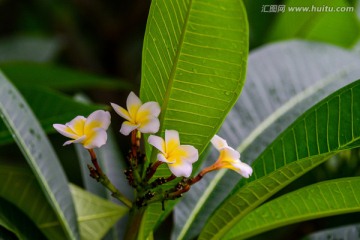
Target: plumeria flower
[143, 117]
[178, 157]
[229, 158]
[90, 131]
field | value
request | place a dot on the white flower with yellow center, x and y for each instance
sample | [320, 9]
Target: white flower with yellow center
[229, 158]
[143, 117]
[178, 157]
[90, 131]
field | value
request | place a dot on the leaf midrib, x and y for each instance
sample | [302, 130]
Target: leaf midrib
[172, 76]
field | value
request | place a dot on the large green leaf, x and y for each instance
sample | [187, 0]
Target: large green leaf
[344, 232]
[323, 199]
[16, 222]
[339, 25]
[49, 107]
[327, 128]
[284, 80]
[95, 215]
[39, 154]
[194, 63]
[31, 200]
[29, 74]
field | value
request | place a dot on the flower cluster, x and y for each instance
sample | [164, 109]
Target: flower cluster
[143, 118]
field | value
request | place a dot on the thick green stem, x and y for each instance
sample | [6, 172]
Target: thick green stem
[134, 224]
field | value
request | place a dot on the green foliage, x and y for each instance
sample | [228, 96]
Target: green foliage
[194, 62]
[319, 24]
[200, 73]
[94, 215]
[25, 48]
[323, 199]
[297, 75]
[39, 154]
[49, 107]
[327, 128]
[52, 76]
[17, 223]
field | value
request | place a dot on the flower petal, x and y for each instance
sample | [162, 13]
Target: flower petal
[97, 119]
[78, 140]
[243, 169]
[157, 142]
[192, 154]
[77, 125]
[172, 140]
[181, 170]
[65, 130]
[229, 153]
[162, 158]
[121, 111]
[133, 103]
[96, 139]
[151, 126]
[127, 128]
[148, 109]
[219, 142]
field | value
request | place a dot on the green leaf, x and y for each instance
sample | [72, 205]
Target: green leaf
[39, 154]
[96, 215]
[90, 209]
[194, 63]
[16, 222]
[258, 21]
[345, 232]
[323, 199]
[26, 48]
[297, 75]
[53, 76]
[318, 24]
[49, 107]
[31, 200]
[327, 128]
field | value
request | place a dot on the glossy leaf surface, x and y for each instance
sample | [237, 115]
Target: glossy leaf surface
[194, 63]
[39, 154]
[323, 199]
[327, 128]
[283, 81]
[95, 215]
